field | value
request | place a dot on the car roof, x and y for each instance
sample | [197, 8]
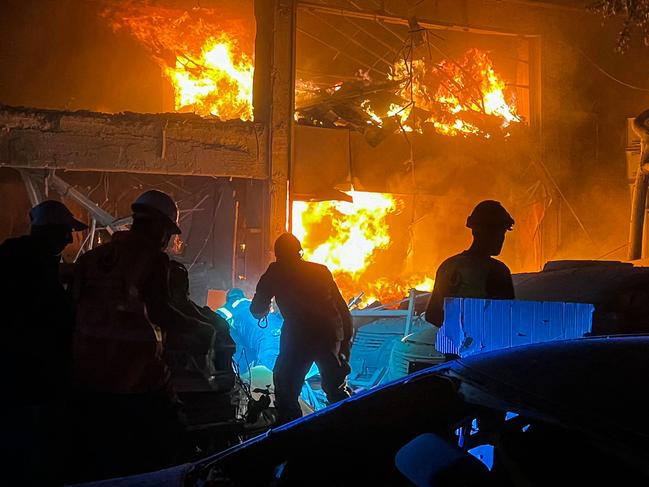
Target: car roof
[588, 282]
[599, 376]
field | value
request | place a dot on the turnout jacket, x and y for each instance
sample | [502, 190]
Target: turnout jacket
[314, 311]
[123, 316]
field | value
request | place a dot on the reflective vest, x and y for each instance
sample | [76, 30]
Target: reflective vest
[116, 347]
[227, 315]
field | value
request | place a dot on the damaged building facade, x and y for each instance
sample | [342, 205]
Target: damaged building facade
[348, 98]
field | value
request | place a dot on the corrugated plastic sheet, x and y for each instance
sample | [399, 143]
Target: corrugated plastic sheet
[479, 325]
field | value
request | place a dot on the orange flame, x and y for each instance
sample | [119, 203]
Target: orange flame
[346, 237]
[210, 73]
[471, 86]
[219, 83]
[466, 90]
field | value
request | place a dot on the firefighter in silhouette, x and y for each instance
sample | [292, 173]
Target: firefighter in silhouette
[127, 413]
[37, 322]
[474, 273]
[317, 326]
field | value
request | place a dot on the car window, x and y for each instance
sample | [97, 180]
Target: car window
[518, 450]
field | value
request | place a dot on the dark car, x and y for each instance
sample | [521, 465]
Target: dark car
[618, 290]
[557, 413]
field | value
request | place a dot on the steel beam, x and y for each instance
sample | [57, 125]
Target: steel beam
[396, 20]
[34, 192]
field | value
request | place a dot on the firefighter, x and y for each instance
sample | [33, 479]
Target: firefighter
[257, 341]
[128, 414]
[317, 326]
[474, 273]
[37, 322]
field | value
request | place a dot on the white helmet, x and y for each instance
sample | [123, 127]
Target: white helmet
[159, 202]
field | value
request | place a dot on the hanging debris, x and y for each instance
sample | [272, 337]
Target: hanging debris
[465, 97]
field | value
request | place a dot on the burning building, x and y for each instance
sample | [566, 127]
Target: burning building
[367, 128]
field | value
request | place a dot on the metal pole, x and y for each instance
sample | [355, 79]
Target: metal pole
[33, 191]
[235, 245]
[411, 311]
[638, 215]
[395, 20]
[639, 202]
[93, 229]
[101, 215]
[83, 244]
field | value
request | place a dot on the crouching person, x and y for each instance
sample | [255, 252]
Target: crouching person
[125, 413]
[192, 365]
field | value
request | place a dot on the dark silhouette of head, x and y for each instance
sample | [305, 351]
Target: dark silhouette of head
[178, 282]
[155, 215]
[489, 222]
[52, 223]
[287, 248]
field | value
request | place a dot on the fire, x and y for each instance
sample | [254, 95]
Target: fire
[211, 74]
[216, 84]
[358, 230]
[403, 112]
[422, 283]
[472, 86]
[346, 237]
[461, 97]
[365, 105]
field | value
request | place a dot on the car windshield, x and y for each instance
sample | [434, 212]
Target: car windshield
[520, 445]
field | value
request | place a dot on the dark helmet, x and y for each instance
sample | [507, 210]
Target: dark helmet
[51, 212]
[287, 246]
[490, 214]
[233, 294]
[160, 203]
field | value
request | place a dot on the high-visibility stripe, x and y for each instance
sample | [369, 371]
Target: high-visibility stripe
[239, 301]
[227, 314]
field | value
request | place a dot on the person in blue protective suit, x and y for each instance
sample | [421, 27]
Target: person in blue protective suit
[317, 326]
[257, 341]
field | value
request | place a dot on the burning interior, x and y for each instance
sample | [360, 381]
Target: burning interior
[397, 123]
[407, 108]
[367, 128]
